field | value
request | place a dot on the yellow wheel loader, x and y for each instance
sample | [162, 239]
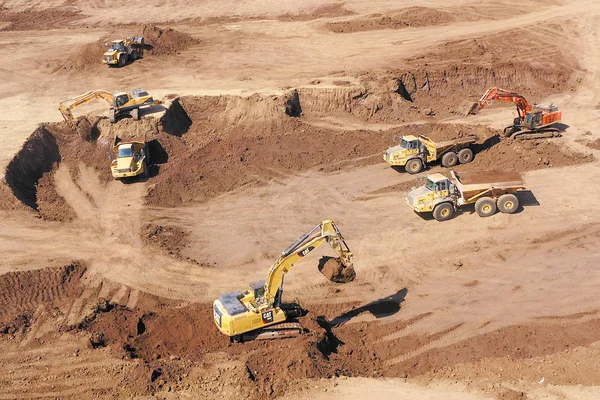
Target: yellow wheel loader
[258, 312]
[122, 51]
[121, 103]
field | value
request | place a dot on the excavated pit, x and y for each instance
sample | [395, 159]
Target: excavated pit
[38, 156]
[204, 146]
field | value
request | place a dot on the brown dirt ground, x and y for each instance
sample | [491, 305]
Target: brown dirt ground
[38, 20]
[166, 339]
[411, 16]
[96, 315]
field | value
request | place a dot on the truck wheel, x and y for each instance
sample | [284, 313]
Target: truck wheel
[508, 203]
[134, 55]
[443, 211]
[112, 117]
[122, 61]
[485, 207]
[465, 156]
[135, 114]
[414, 166]
[449, 160]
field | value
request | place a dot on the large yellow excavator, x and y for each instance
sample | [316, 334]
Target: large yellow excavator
[120, 103]
[258, 312]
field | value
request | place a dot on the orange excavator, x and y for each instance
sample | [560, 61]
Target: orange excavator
[534, 121]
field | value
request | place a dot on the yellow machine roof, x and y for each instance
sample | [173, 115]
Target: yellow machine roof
[437, 177]
[117, 41]
[410, 138]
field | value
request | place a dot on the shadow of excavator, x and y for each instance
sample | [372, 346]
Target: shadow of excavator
[379, 308]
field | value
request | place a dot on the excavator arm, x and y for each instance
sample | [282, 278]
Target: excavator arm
[66, 106]
[523, 106]
[326, 231]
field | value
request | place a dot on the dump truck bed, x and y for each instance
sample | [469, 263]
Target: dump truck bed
[464, 141]
[471, 184]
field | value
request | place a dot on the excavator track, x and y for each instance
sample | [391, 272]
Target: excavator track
[536, 134]
[278, 331]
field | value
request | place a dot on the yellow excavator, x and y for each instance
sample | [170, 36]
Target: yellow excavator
[258, 312]
[121, 103]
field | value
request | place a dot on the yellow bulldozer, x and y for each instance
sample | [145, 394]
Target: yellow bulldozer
[259, 312]
[124, 50]
[120, 103]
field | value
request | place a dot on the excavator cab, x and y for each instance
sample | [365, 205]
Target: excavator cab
[533, 119]
[258, 289]
[121, 99]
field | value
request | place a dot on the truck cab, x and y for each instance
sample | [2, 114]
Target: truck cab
[130, 160]
[437, 189]
[111, 56]
[410, 146]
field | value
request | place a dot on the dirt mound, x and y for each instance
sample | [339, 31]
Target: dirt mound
[51, 205]
[593, 144]
[165, 337]
[38, 20]
[171, 239]
[409, 17]
[525, 155]
[166, 41]
[87, 57]
[21, 293]
[463, 69]
[330, 10]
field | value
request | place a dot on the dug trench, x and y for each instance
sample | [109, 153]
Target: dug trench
[168, 345]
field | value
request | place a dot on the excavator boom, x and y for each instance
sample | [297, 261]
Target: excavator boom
[66, 106]
[523, 106]
[326, 231]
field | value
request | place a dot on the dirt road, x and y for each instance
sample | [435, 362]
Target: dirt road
[480, 307]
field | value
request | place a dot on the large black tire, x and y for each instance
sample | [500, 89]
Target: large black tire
[134, 55]
[414, 166]
[111, 116]
[135, 114]
[122, 60]
[508, 203]
[449, 159]
[485, 207]
[465, 156]
[443, 211]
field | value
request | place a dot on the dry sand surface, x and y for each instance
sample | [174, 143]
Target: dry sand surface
[274, 116]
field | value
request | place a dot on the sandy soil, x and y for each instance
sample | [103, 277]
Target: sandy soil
[275, 116]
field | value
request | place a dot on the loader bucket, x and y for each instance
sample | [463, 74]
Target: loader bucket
[333, 269]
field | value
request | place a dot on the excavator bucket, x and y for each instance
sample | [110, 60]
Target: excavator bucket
[334, 270]
[472, 109]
